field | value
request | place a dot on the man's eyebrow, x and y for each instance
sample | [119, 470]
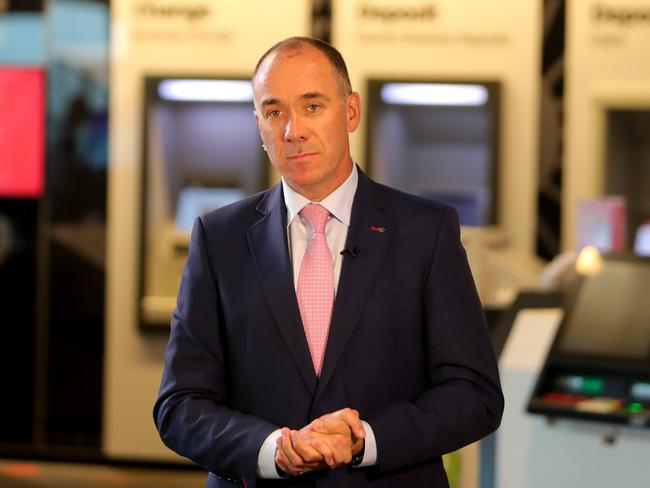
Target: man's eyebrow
[312, 95]
[269, 101]
[306, 96]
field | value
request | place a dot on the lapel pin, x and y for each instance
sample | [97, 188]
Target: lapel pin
[374, 228]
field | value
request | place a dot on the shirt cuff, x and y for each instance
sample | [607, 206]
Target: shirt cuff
[266, 457]
[370, 449]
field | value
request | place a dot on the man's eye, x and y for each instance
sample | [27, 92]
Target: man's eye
[273, 114]
[312, 107]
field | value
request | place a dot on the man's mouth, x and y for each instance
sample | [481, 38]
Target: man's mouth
[302, 155]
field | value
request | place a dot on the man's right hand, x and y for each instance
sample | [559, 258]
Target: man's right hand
[294, 456]
[329, 441]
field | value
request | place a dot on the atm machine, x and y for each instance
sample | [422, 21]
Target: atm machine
[439, 138]
[202, 151]
[598, 368]
[576, 375]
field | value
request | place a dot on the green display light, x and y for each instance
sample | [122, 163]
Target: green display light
[582, 385]
[635, 407]
[592, 386]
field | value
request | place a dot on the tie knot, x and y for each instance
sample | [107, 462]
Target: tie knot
[317, 216]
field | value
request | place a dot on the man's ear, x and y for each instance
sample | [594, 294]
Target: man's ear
[353, 111]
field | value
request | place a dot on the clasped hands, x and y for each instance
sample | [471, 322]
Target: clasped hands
[328, 442]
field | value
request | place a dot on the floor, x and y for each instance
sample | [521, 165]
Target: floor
[28, 474]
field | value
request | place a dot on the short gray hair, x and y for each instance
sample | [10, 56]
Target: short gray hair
[331, 53]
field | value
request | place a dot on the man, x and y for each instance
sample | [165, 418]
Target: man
[327, 332]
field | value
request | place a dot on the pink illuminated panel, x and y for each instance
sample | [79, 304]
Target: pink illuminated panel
[22, 131]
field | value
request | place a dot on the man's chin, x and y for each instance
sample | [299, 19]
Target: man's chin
[305, 178]
[303, 185]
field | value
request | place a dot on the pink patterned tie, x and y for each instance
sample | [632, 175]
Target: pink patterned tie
[316, 284]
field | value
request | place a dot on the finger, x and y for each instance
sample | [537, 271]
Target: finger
[317, 425]
[293, 470]
[295, 459]
[308, 454]
[311, 459]
[314, 440]
[331, 425]
[281, 458]
[301, 464]
[292, 459]
[334, 447]
[281, 464]
[323, 449]
[351, 417]
[341, 449]
[348, 416]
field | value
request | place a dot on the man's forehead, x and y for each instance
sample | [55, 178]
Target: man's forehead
[286, 57]
[280, 69]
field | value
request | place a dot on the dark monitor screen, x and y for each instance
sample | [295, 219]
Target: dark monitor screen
[610, 314]
[437, 139]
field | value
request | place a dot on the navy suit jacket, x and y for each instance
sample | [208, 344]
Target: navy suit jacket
[408, 347]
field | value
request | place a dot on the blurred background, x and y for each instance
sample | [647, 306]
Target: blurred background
[122, 120]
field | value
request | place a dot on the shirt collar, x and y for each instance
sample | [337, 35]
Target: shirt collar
[339, 202]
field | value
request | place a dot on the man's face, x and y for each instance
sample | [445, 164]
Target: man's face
[304, 120]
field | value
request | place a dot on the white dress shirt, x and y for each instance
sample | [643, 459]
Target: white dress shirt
[339, 204]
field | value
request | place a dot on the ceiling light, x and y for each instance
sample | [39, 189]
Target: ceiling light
[434, 94]
[206, 90]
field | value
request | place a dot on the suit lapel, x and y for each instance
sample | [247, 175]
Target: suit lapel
[267, 239]
[370, 232]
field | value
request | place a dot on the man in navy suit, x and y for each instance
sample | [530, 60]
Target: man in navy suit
[347, 349]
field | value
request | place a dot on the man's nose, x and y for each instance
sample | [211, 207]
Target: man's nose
[295, 130]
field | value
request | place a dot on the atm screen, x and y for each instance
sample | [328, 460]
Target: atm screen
[195, 201]
[610, 316]
[437, 139]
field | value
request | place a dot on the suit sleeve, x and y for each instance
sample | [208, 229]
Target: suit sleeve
[191, 412]
[464, 402]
